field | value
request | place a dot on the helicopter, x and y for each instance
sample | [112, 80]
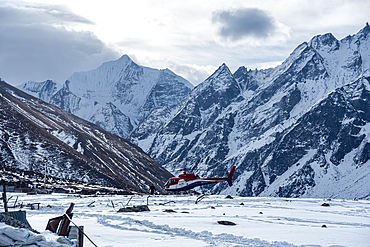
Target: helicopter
[187, 181]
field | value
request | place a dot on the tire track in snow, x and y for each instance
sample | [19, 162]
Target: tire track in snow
[224, 239]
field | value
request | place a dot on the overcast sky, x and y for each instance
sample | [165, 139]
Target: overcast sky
[42, 40]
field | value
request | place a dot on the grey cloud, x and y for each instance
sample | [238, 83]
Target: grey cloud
[247, 22]
[60, 13]
[33, 48]
[38, 14]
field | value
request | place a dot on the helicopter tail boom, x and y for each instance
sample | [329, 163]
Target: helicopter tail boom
[230, 177]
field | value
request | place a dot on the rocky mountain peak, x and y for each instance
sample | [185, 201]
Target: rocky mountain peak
[222, 71]
[220, 80]
[246, 79]
[122, 62]
[123, 88]
[124, 59]
[366, 30]
[220, 88]
[326, 41]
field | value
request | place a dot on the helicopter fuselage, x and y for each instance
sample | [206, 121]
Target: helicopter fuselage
[188, 181]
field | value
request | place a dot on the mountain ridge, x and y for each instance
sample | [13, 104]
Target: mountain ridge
[35, 135]
[247, 124]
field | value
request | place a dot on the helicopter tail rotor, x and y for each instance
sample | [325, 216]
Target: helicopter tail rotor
[230, 177]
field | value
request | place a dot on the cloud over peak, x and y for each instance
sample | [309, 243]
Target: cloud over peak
[239, 24]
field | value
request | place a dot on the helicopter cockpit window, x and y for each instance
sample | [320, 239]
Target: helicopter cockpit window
[174, 181]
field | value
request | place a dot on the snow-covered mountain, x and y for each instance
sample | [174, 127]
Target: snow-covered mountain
[35, 134]
[299, 129]
[116, 96]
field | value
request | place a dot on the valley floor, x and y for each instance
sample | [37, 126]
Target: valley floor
[179, 221]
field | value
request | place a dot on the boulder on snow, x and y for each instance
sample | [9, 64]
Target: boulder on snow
[169, 211]
[140, 208]
[225, 222]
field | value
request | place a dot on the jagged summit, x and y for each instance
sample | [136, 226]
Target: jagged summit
[220, 86]
[219, 80]
[122, 62]
[366, 29]
[327, 40]
[102, 77]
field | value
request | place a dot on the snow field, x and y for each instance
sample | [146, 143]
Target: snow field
[259, 221]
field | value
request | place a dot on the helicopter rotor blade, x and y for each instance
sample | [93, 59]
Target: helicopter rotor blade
[185, 169]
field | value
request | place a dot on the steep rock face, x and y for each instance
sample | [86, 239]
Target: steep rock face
[65, 99]
[35, 134]
[128, 88]
[246, 79]
[149, 127]
[330, 142]
[197, 113]
[168, 91]
[249, 125]
[110, 118]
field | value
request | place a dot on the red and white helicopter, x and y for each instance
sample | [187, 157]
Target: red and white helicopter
[187, 181]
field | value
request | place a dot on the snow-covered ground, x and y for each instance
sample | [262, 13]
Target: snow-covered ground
[259, 221]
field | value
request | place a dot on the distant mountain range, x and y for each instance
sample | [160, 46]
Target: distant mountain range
[116, 96]
[300, 129]
[35, 136]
